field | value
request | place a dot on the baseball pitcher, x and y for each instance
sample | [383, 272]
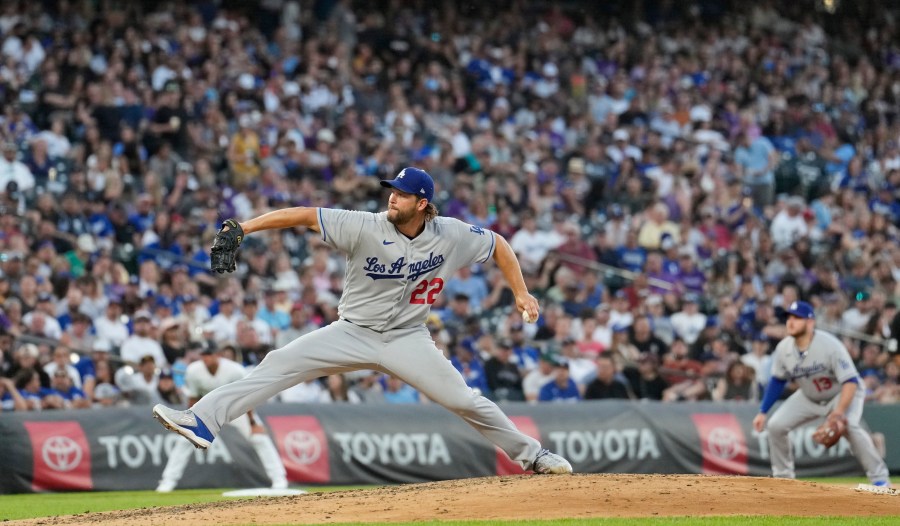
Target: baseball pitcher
[200, 378]
[397, 263]
[828, 385]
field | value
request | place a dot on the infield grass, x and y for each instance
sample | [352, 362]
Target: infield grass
[33, 505]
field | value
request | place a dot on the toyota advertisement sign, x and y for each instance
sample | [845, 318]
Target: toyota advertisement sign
[123, 449]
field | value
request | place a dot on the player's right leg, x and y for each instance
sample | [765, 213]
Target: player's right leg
[329, 350]
[796, 410]
[415, 359]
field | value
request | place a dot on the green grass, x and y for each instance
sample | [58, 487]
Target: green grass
[32, 505]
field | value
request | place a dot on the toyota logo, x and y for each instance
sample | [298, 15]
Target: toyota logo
[724, 443]
[61, 453]
[302, 447]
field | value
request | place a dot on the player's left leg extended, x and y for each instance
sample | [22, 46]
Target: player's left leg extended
[861, 443]
[413, 357]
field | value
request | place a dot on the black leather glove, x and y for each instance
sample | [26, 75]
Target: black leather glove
[225, 245]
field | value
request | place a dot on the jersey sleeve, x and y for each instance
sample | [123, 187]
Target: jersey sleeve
[842, 364]
[779, 366]
[341, 228]
[474, 244]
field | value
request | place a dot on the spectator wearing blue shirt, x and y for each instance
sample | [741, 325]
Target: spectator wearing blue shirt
[10, 399]
[28, 382]
[277, 319]
[73, 397]
[398, 392]
[632, 256]
[466, 361]
[563, 388]
[464, 282]
[756, 160]
[524, 356]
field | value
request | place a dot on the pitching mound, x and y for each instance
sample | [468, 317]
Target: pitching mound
[521, 497]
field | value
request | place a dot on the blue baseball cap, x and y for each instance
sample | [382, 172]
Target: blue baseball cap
[801, 309]
[412, 181]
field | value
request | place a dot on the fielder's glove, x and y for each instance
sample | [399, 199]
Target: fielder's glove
[831, 430]
[225, 246]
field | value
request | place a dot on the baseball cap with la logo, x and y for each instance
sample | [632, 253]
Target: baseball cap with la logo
[412, 181]
[801, 309]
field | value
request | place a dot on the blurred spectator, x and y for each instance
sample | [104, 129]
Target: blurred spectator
[606, 385]
[167, 392]
[73, 397]
[466, 360]
[538, 377]
[337, 390]
[398, 392]
[503, 378]
[10, 399]
[738, 383]
[682, 374]
[645, 380]
[141, 343]
[140, 385]
[62, 361]
[562, 388]
[36, 397]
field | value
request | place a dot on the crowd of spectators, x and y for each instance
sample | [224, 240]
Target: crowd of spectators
[669, 173]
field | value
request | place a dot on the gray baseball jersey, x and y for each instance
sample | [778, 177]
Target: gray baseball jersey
[392, 281]
[820, 371]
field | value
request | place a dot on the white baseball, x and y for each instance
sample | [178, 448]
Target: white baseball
[527, 318]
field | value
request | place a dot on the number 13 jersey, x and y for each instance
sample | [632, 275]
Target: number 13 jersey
[820, 370]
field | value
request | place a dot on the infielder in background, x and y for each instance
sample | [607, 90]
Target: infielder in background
[397, 263]
[200, 378]
[828, 385]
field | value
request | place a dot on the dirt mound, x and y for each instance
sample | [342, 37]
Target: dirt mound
[520, 497]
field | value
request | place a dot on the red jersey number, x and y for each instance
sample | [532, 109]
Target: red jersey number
[426, 291]
[822, 384]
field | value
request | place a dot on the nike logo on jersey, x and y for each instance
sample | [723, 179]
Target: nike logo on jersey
[386, 242]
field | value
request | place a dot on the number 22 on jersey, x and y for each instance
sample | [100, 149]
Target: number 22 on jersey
[426, 291]
[822, 383]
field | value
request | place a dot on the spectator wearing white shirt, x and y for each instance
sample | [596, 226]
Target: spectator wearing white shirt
[223, 326]
[263, 330]
[788, 225]
[14, 170]
[538, 377]
[62, 361]
[58, 144]
[140, 343]
[110, 326]
[139, 385]
[532, 245]
[689, 322]
[42, 321]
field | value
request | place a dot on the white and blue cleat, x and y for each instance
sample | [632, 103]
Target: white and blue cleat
[185, 423]
[547, 463]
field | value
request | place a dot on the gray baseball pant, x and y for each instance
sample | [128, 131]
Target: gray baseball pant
[797, 410]
[408, 354]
